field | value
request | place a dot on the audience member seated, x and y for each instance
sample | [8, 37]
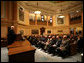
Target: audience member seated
[3, 42]
[55, 42]
[47, 44]
[41, 43]
[73, 46]
[62, 45]
[80, 43]
[63, 50]
[35, 41]
[30, 38]
[19, 37]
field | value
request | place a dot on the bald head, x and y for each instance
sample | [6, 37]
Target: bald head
[57, 36]
[53, 36]
[12, 27]
[65, 36]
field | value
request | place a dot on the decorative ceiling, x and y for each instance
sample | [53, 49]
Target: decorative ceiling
[56, 1]
[53, 7]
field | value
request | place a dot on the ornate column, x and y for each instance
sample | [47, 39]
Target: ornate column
[69, 23]
[67, 19]
[52, 20]
[74, 31]
[35, 19]
[47, 20]
[82, 21]
[82, 17]
[14, 12]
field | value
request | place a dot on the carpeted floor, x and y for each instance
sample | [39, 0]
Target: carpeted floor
[41, 56]
[4, 54]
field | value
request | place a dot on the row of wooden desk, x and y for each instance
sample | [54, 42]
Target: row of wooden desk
[21, 51]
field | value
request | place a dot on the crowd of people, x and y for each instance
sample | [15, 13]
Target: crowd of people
[57, 44]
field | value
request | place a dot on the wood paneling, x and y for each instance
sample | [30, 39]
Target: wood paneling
[75, 22]
[82, 17]
[21, 51]
[27, 26]
[42, 23]
[35, 19]
[32, 22]
[9, 11]
[49, 24]
[1, 9]
[4, 31]
[4, 10]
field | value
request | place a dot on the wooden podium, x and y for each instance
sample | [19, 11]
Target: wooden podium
[21, 51]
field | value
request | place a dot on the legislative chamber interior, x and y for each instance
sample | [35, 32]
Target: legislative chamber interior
[41, 31]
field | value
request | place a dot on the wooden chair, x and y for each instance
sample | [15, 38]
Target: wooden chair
[18, 37]
[73, 48]
[3, 42]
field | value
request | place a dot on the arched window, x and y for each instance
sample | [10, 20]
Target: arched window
[38, 17]
[21, 14]
[51, 19]
[31, 17]
[42, 18]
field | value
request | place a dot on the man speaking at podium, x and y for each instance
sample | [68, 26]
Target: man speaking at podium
[11, 35]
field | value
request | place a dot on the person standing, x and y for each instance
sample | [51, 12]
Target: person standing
[11, 35]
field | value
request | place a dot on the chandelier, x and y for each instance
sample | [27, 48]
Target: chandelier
[61, 16]
[37, 12]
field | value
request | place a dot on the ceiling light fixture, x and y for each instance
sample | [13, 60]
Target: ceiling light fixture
[77, 11]
[60, 14]
[37, 12]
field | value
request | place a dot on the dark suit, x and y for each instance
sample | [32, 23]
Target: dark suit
[80, 45]
[65, 48]
[55, 42]
[11, 36]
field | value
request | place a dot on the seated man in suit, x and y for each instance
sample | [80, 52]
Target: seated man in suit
[58, 42]
[33, 40]
[71, 38]
[41, 42]
[63, 50]
[54, 44]
[80, 43]
[46, 38]
[30, 39]
[47, 44]
[52, 41]
[36, 41]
